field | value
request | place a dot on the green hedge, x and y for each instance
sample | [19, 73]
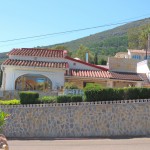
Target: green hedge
[69, 98]
[10, 102]
[110, 94]
[29, 97]
[48, 99]
[64, 99]
[76, 98]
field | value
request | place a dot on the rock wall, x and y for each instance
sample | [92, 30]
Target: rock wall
[93, 119]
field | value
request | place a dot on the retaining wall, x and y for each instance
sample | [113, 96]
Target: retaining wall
[88, 119]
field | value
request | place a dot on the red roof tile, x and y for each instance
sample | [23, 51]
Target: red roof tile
[31, 63]
[106, 74]
[126, 76]
[38, 52]
[90, 73]
[139, 51]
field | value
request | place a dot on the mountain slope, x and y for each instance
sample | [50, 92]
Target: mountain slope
[111, 39]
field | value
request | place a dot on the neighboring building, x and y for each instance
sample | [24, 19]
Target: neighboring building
[138, 55]
[46, 70]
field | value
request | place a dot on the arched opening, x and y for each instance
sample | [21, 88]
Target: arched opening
[33, 82]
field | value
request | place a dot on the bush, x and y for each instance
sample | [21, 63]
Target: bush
[76, 98]
[132, 93]
[3, 117]
[119, 94]
[10, 102]
[48, 99]
[93, 95]
[91, 86]
[110, 94]
[144, 93]
[29, 97]
[70, 85]
[64, 99]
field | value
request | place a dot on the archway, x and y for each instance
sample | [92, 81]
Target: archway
[33, 82]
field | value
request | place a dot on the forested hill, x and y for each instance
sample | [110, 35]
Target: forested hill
[108, 42]
[3, 56]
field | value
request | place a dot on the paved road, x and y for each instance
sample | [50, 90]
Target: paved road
[81, 144]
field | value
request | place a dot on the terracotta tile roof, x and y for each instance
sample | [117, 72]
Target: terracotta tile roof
[30, 63]
[126, 76]
[106, 74]
[139, 51]
[37, 52]
[90, 73]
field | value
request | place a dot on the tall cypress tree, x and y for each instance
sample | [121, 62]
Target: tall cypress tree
[96, 59]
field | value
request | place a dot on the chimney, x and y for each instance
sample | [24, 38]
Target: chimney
[87, 57]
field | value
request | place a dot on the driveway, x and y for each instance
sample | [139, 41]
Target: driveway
[81, 144]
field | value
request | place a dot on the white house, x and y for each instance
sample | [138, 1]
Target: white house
[46, 70]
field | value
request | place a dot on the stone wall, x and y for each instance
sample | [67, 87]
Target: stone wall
[88, 119]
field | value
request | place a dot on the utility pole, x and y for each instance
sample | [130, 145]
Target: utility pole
[148, 45]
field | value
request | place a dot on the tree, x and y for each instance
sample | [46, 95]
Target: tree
[138, 37]
[62, 47]
[81, 52]
[96, 58]
[102, 61]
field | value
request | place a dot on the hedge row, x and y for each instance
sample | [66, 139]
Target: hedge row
[110, 94]
[10, 102]
[29, 97]
[33, 98]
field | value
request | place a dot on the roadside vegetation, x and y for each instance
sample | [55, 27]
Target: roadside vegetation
[92, 92]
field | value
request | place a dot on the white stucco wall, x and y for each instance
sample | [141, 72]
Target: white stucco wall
[12, 73]
[78, 65]
[142, 67]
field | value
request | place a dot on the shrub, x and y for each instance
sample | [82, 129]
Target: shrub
[119, 94]
[48, 99]
[76, 98]
[10, 102]
[3, 117]
[64, 99]
[28, 97]
[131, 93]
[91, 86]
[106, 94]
[144, 93]
[93, 95]
[70, 85]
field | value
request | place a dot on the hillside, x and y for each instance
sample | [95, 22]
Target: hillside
[108, 42]
[3, 56]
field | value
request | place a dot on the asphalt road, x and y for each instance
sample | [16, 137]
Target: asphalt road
[81, 144]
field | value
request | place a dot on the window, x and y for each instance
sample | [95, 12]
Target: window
[136, 57]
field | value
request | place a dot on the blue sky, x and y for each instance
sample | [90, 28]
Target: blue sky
[25, 18]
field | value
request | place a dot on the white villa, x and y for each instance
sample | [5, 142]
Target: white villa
[46, 70]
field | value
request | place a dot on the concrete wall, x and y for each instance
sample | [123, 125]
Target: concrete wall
[99, 119]
[122, 64]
